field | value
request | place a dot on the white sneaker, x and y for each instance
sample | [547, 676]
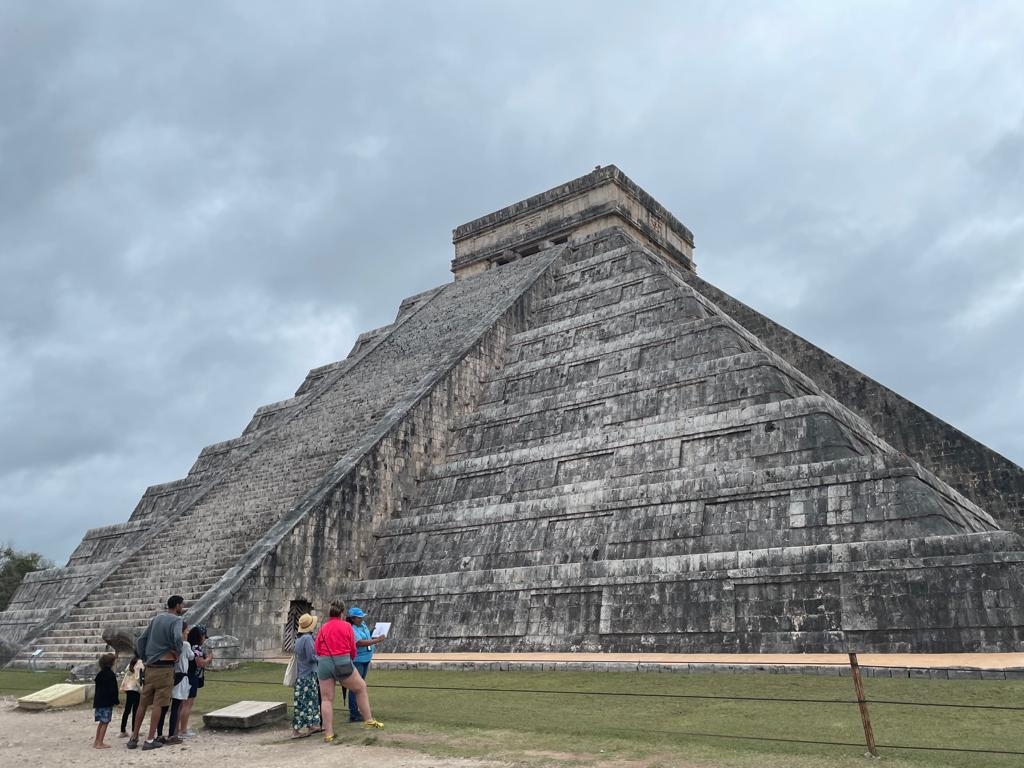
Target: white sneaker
[187, 734]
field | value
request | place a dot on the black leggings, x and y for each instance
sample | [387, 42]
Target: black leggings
[131, 703]
[173, 726]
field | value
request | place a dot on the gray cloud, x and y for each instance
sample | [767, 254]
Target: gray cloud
[195, 208]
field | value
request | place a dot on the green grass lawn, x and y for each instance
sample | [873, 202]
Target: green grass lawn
[587, 718]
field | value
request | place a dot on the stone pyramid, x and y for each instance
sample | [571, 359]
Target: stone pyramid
[576, 445]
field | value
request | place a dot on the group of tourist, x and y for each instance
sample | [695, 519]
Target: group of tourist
[339, 654]
[167, 671]
[165, 674]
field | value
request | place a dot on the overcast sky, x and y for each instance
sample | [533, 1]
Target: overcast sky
[201, 201]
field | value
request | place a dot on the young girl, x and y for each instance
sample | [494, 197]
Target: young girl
[130, 684]
[105, 698]
[196, 677]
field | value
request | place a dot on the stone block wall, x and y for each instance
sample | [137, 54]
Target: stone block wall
[990, 480]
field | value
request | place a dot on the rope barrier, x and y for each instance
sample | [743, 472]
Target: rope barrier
[752, 664]
[217, 679]
[639, 694]
[891, 702]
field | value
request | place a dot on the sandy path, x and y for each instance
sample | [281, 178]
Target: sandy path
[914, 660]
[64, 738]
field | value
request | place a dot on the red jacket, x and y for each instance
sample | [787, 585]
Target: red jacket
[335, 638]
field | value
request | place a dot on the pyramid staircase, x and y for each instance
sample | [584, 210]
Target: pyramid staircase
[191, 536]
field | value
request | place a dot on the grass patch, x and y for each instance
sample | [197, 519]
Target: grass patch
[568, 718]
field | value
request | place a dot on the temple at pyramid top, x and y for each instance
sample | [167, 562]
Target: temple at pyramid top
[577, 444]
[603, 198]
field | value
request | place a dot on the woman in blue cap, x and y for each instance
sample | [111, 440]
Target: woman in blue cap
[364, 654]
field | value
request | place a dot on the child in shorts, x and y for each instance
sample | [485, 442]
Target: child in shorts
[105, 698]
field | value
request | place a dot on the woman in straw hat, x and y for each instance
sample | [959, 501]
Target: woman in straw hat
[306, 710]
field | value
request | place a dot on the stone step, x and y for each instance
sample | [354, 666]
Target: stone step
[633, 343]
[127, 577]
[764, 429]
[616, 318]
[66, 633]
[577, 423]
[84, 624]
[630, 382]
[654, 600]
[568, 276]
[268, 416]
[598, 292]
[668, 521]
[802, 439]
[55, 659]
[574, 268]
[82, 649]
[699, 341]
[218, 455]
[141, 593]
[570, 413]
[856, 492]
[585, 331]
[649, 487]
[100, 602]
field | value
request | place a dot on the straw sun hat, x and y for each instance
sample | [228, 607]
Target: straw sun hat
[307, 623]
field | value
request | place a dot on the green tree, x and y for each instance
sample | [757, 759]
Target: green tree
[13, 567]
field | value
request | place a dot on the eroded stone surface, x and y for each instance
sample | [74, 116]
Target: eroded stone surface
[584, 447]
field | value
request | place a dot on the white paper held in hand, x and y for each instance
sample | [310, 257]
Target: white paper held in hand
[381, 629]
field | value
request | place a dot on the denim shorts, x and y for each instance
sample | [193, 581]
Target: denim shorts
[103, 714]
[334, 667]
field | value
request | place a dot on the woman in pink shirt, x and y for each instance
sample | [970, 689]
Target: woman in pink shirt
[335, 648]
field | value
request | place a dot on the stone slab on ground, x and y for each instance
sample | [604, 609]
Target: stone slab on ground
[56, 696]
[246, 714]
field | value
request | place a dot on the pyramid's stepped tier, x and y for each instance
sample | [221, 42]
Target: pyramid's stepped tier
[659, 513]
[989, 479]
[239, 489]
[918, 595]
[626, 479]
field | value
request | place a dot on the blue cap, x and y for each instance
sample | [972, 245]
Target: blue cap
[355, 613]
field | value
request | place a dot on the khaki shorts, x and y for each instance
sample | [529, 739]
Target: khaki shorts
[157, 690]
[334, 668]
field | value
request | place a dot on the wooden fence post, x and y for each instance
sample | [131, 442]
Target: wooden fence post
[858, 687]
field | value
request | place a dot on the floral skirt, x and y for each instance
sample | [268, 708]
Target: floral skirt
[306, 712]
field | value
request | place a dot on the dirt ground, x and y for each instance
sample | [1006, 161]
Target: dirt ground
[64, 738]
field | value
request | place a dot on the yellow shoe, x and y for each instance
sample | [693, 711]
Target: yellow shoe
[373, 724]
[329, 739]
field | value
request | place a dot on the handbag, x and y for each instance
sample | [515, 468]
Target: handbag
[291, 673]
